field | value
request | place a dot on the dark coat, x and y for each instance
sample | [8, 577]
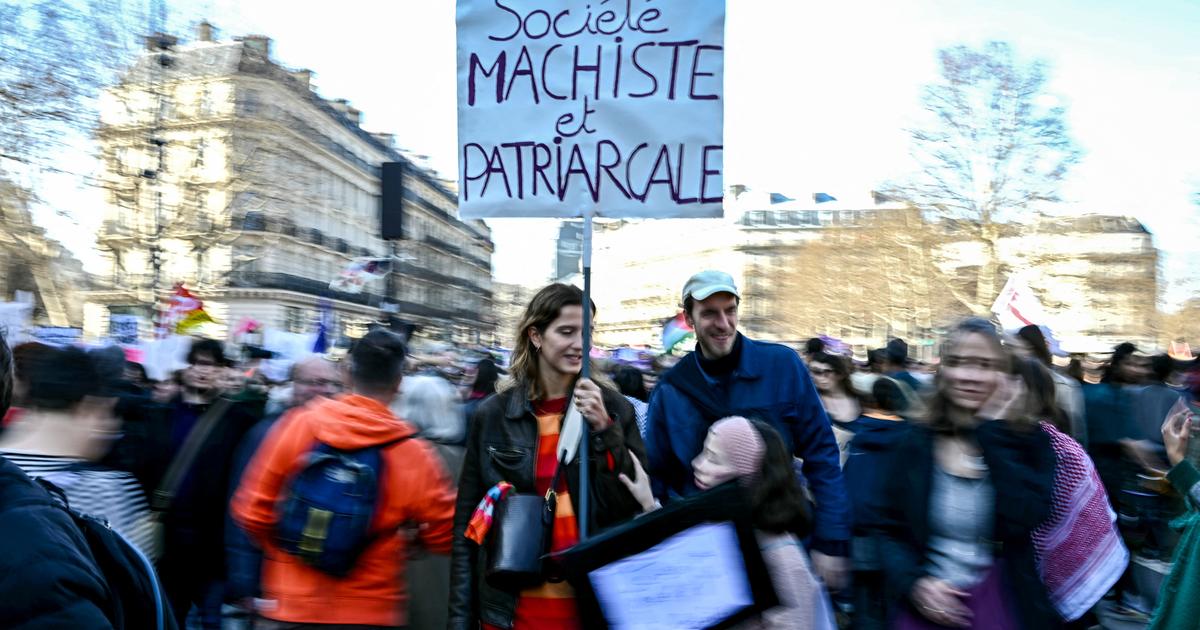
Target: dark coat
[770, 383]
[502, 446]
[194, 526]
[243, 558]
[48, 576]
[1021, 465]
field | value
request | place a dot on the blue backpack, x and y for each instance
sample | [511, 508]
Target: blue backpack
[330, 504]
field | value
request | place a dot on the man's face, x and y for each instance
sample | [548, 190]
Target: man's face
[313, 379]
[203, 375]
[715, 321]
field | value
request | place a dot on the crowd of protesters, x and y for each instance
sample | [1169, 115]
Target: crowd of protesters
[994, 489]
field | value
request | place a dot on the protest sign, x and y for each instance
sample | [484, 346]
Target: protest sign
[58, 335]
[610, 108]
[123, 329]
[695, 563]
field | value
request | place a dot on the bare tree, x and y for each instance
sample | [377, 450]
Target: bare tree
[995, 146]
[54, 58]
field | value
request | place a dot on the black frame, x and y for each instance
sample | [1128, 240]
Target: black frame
[724, 504]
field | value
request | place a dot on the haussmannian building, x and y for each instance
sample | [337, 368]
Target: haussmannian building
[229, 173]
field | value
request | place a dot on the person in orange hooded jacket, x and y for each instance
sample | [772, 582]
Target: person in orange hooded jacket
[415, 489]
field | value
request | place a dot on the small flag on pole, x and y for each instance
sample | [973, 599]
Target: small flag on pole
[355, 276]
[675, 332]
[186, 311]
[324, 327]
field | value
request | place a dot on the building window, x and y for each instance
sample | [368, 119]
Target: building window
[293, 319]
[205, 101]
[201, 147]
[250, 102]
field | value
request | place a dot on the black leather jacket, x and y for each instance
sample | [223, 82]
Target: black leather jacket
[503, 446]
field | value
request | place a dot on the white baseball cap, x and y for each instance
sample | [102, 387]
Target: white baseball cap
[706, 283]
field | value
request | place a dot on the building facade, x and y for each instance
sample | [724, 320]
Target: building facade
[229, 173]
[869, 270]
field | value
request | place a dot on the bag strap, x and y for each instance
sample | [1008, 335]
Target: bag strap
[164, 496]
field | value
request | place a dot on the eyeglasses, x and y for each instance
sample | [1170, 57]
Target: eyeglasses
[820, 371]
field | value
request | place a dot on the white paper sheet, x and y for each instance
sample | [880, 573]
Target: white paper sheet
[693, 579]
[613, 107]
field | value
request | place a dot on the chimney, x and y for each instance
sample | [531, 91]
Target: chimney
[304, 77]
[354, 114]
[259, 43]
[204, 31]
[160, 42]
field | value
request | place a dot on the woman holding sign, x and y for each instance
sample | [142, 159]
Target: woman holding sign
[523, 443]
[964, 495]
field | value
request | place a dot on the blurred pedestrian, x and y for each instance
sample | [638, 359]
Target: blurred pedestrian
[895, 364]
[753, 454]
[48, 576]
[1080, 550]
[977, 471]
[831, 376]
[813, 346]
[311, 378]
[432, 405]
[1068, 393]
[524, 437]
[1179, 597]
[413, 488]
[486, 377]
[192, 497]
[729, 374]
[68, 426]
[876, 439]
[631, 385]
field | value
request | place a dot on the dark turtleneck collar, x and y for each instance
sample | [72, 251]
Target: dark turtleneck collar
[723, 367]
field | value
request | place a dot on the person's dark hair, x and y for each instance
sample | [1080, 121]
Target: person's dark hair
[207, 347]
[840, 367]
[777, 500]
[629, 382]
[814, 345]
[486, 376]
[176, 377]
[1040, 398]
[377, 362]
[110, 364]
[938, 416]
[876, 358]
[143, 377]
[1075, 369]
[888, 396]
[1033, 337]
[6, 375]
[1161, 366]
[61, 378]
[897, 352]
[1120, 355]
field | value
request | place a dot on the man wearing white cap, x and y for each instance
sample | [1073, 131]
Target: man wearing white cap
[732, 375]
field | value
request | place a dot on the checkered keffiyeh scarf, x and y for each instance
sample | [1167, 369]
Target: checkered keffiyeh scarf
[1079, 552]
[481, 519]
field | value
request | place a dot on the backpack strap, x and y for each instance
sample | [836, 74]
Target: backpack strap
[164, 496]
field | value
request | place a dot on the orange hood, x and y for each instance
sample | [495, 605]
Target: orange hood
[351, 422]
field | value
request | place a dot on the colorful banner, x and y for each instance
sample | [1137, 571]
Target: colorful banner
[610, 107]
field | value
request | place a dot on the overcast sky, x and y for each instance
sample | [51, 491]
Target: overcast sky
[817, 96]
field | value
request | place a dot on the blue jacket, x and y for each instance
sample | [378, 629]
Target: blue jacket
[770, 384]
[875, 442]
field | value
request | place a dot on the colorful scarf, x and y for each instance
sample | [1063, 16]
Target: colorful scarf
[1079, 552]
[481, 519]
